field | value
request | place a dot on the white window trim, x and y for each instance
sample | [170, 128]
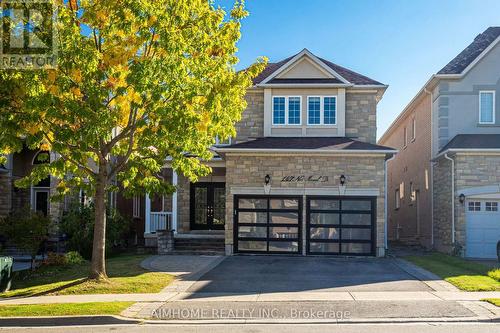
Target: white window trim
[322, 111]
[286, 111]
[493, 111]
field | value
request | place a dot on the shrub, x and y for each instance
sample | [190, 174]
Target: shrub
[55, 259]
[78, 226]
[495, 274]
[74, 258]
[27, 230]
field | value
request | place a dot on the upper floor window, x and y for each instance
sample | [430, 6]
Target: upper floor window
[413, 129]
[405, 137]
[220, 142]
[486, 107]
[397, 199]
[287, 110]
[322, 110]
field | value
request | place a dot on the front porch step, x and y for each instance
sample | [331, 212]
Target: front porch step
[199, 244]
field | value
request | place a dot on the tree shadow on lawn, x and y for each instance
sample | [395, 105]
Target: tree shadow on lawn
[124, 272]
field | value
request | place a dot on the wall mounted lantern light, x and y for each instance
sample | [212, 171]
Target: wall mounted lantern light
[267, 184]
[342, 185]
[461, 198]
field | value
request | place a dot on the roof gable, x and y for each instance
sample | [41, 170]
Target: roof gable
[304, 67]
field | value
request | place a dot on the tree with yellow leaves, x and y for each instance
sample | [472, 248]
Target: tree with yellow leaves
[136, 81]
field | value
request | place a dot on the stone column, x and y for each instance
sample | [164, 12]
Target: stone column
[165, 241]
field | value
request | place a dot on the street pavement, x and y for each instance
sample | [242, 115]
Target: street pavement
[337, 328]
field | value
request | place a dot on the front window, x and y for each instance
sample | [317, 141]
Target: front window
[397, 198]
[314, 110]
[486, 107]
[279, 110]
[413, 129]
[405, 137]
[294, 110]
[330, 110]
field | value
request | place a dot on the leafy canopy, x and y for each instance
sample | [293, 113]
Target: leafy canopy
[136, 81]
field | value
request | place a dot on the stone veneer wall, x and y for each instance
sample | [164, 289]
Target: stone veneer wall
[472, 171]
[183, 188]
[442, 206]
[360, 116]
[251, 125]
[249, 171]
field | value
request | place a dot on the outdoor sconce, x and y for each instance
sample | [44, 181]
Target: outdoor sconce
[267, 184]
[461, 198]
[342, 185]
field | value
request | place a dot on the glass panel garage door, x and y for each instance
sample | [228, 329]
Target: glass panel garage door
[340, 226]
[267, 224]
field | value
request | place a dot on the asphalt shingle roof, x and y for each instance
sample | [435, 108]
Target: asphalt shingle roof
[474, 141]
[312, 143]
[349, 75]
[471, 52]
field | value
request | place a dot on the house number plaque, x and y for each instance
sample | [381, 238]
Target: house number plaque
[302, 178]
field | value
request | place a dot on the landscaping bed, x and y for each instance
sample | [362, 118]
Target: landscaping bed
[463, 274]
[124, 272]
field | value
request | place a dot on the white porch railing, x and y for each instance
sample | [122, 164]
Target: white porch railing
[160, 221]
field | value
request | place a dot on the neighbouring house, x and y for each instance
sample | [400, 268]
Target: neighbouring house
[444, 184]
[303, 175]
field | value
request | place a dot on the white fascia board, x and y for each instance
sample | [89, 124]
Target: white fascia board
[297, 57]
[304, 85]
[469, 150]
[309, 151]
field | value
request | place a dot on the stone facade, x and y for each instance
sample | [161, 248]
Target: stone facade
[471, 170]
[362, 172]
[360, 116]
[251, 125]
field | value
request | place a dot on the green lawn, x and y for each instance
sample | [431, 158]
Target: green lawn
[465, 275]
[494, 301]
[125, 276]
[69, 309]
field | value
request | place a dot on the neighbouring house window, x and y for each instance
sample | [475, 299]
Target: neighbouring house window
[405, 137]
[413, 129]
[294, 110]
[220, 142]
[136, 206]
[412, 192]
[492, 206]
[279, 110]
[486, 107]
[474, 206]
[314, 110]
[397, 199]
[330, 110]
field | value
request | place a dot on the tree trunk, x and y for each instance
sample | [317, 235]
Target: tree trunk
[98, 267]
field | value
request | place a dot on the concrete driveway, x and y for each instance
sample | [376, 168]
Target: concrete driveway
[270, 274]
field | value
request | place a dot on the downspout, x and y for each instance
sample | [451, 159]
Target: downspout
[385, 200]
[431, 164]
[452, 198]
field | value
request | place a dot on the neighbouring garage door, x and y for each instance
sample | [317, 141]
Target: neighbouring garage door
[483, 228]
[267, 224]
[340, 226]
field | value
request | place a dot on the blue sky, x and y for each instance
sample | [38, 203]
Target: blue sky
[397, 42]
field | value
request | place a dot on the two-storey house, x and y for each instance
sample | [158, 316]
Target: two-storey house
[302, 176]
[444, 184]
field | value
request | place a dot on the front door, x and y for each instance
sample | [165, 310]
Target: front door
[208, 206]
